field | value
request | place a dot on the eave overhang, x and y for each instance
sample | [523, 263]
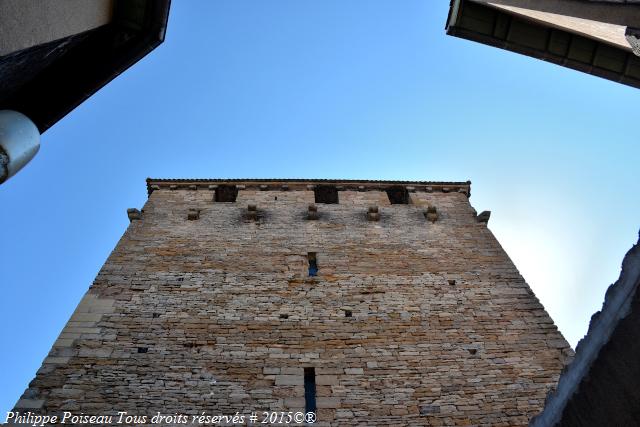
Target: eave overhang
[48, 81]
[597, 48]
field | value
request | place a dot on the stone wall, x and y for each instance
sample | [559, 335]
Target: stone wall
[219, 313]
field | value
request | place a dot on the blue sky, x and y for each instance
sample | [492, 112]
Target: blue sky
[326, 89]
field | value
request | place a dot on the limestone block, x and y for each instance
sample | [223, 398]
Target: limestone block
[327, 380]
[289, 380]
[328, 402]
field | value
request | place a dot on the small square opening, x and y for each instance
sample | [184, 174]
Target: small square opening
[142, 349]
[326, 194]
[398, 195]
[348, 313]
[226, 193]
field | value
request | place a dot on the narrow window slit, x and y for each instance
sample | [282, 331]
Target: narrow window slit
[156, 315]
[284, 316]
[313, 264]
[310, 389]
[142, 349]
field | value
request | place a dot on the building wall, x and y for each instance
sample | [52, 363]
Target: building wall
[444, 330]
[28, 23]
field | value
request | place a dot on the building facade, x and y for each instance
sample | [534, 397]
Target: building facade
[597, 37]
[365, 302]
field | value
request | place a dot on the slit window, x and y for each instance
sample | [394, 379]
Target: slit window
[313, 264]
[398, 195]
[326, 194]
[226, 193]
[310, 389]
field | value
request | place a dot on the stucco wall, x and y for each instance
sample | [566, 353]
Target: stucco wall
[27, 23]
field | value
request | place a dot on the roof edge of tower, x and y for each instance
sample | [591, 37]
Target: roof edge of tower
[358, 184]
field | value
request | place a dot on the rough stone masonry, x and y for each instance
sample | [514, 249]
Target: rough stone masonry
[373, 303]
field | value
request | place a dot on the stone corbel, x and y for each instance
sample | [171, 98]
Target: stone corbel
[373, 214]
[252, 212]
[193, 214]
[484, 217]
[134, 214]
[312, 212]
[431, 214]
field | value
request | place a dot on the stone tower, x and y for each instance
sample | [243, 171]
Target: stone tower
[366, 302]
